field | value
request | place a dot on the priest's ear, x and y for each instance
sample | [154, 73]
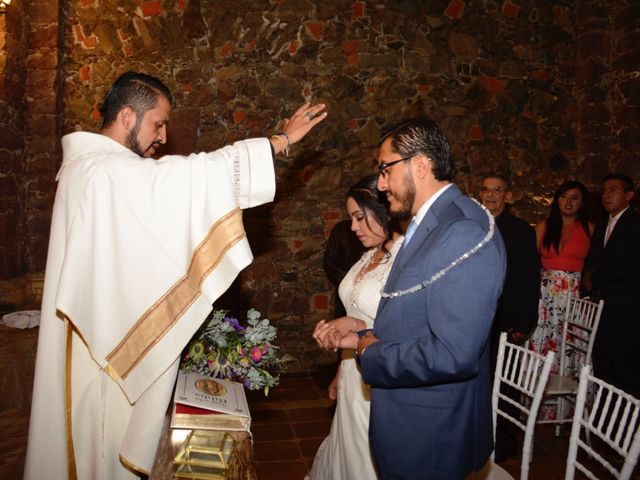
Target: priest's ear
[127, 117]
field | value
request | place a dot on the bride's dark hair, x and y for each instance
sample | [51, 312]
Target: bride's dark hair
[372, 201]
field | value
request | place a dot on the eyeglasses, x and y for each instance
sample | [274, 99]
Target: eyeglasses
[493, 189]
[384, 166]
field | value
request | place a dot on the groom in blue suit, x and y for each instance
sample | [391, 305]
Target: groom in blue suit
[427, 358]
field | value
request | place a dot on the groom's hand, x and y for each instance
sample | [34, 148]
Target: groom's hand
[366, 340]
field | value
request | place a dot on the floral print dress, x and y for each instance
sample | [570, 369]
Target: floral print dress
[555, 288]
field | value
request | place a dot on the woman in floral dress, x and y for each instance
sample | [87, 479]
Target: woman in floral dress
[563, 242]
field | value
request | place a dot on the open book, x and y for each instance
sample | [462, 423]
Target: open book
[203, 402]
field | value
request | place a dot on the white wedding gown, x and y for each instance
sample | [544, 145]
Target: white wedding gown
[345, 454]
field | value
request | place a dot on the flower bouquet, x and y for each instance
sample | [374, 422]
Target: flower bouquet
[224, 348]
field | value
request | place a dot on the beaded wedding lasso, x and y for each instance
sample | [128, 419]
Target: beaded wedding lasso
[438, 275]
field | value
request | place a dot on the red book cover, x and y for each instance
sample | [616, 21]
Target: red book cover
[189, 410]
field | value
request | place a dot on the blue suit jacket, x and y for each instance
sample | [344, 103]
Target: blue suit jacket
[431, 395]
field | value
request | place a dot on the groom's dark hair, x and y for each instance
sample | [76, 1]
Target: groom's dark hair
[418, 135]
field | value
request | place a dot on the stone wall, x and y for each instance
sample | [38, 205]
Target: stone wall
[12, 78]
[542, 90]
[42, 126]
[497, 76]
[29, 143]
[608, 87]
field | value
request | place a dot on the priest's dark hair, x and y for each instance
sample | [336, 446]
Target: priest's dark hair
[372, 201]
[136, 90]
[421, 136]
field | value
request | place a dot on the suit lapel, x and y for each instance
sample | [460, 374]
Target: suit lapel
[428, 223]
[618, 229]
[421, 235]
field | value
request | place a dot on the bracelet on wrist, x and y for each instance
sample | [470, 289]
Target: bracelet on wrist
[282, 137]
[286, 137]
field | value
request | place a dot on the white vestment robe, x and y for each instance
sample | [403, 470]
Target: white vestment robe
[139, 250]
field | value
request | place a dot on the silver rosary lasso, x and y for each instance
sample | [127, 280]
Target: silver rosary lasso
[438, 275]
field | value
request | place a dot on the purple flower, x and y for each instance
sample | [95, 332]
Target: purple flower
[234, 323]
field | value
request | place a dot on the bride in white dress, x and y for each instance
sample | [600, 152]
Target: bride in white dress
[345, 454]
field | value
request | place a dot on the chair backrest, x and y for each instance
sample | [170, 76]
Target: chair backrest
[527, 372]
[614, 418]
[579, 328]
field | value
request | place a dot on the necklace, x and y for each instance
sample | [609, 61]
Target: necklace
[371, 265]
[376, 279]
[438, 275]
[378, 257]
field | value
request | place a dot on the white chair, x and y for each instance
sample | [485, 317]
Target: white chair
[579, 328]
[614, 418]
[526, 372]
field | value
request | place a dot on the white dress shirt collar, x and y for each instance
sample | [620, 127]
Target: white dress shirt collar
[617, 217]
[422, 211]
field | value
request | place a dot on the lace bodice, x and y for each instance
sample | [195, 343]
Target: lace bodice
[361, 296]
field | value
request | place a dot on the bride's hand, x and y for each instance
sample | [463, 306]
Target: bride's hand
[346, 325]
[326, 335]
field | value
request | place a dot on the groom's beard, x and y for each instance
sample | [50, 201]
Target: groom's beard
[406, 198]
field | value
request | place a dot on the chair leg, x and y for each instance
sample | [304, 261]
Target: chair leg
[559, 414]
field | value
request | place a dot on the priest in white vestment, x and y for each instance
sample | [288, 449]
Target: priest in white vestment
[139, 251]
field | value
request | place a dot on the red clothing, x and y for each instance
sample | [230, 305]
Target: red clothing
[572, 253]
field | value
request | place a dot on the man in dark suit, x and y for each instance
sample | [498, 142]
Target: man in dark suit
[427, 359]
[612, 273]
[517, 312]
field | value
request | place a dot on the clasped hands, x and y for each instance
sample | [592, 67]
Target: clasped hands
[342, 333]
[338, 333]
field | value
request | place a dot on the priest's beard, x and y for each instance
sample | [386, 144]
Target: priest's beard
[132, 140]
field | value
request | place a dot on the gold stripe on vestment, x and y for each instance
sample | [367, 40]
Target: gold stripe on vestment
[162, 315]
[71, 455]
[131, 467]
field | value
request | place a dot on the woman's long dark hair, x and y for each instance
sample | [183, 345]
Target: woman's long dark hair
[371, 200]
[553, 230]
